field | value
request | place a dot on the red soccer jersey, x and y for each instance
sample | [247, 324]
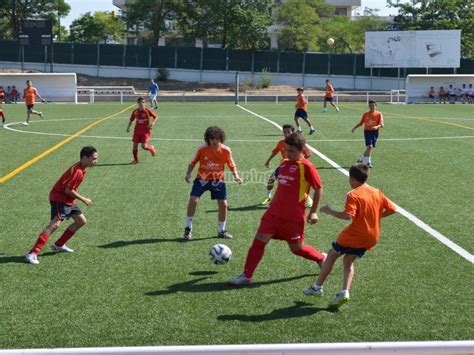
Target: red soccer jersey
[71, 178]
[2, 95]
[294, 181]
[281, 148]
[143, 119]
[212, 162]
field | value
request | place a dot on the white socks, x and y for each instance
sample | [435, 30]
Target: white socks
[189, 222]
[220, 227]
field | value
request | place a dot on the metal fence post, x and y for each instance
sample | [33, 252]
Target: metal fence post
[98, 58]
[304, 65]
[175, 57]
[278, 61]
[72, 53]
[354, 71]
[124, 54]
[201, 64]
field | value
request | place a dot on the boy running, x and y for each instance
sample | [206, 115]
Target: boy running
[372, 121]
[29, 94]
[212, 157]
[145, 121]
[285, 218]
[301, 107]
[329, 96]
[63, 205]
[365, 206]
[153, 91]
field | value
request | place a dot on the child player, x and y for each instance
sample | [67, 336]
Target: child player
[329, 96]
[2, 97]
[301, 107]
[63, 205]
[145, 121]
[372, 121]
[29, 94]
[285, 217]
[365, 206]
[287, 129]
[211, 157]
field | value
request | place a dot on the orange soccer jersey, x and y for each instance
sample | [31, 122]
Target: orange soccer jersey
[365, 204]
[30, 95]
[371, 119]
[329, 90]
[281, 148]
[212, 162]
[301, 102]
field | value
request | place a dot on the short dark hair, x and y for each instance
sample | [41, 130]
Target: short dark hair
[296, 140]
[359, 172]
[372, 102]
[290, 126]
[214, 132]
[140, 99]
[300, 89]
[87, 151]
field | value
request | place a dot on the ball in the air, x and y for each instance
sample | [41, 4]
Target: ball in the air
[330, 41]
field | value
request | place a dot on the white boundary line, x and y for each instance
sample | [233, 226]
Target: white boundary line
[418, 222]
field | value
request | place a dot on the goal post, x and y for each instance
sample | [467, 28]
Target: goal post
[54, 87]
[417, 86]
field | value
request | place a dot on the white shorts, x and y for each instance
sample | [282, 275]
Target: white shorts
[153, 97]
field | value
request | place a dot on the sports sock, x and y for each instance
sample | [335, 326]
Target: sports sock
[369, 160]
[310, 253]
[189, 222]
[254, 256]
[64, 238]
[268, 193]
[298, 129]
[149, 148]
[135, 154]
[40, 242]
[220, 226]
[345, 293]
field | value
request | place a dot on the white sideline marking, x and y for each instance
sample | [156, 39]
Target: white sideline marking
[418, 222]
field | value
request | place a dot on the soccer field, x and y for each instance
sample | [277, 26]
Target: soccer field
[132, 281]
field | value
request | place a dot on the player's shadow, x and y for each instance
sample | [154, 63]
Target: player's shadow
[242, 208]
[126, 243]
[299, 309]
[13, 259]
[112, 164]
[196, 285]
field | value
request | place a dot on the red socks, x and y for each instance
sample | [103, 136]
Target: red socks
[135, 154]
[254, 256]
[64, 238]
[308, 252]
[40, 242]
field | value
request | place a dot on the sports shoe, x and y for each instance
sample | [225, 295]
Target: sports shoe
[225, 234]
[369, 165]
[325, 109]
[134, 162]
[266, 202]
[337, 109]
[311, 131]
[338, 301]
[187, 235]
[240, 280]
[32, 258]
[322, 262]
[63, 249]
[152, 151]
[25, 123]
[40, 114]
[314, 290]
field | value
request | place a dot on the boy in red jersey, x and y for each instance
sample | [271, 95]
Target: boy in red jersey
[63, 205]
[29, 94]
[3, 95]
[329, 96]
[145, 121]
[285, 217]
[372, 121]
[212, 158]
[14, 95]
[287, 129]
[365, 206]
[2, 115]
[301, 107]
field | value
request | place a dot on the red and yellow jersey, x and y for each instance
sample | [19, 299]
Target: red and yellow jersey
[365, 204]
[212, 162]
[143, 118]
[371, 119]
[329, 90]
[281, 148]
[71, 179]
[29, 94]
[295, 178]
[301, 102]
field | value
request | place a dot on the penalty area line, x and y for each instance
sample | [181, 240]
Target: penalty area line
[412, 218]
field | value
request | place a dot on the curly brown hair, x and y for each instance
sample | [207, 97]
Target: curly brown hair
[214, 132]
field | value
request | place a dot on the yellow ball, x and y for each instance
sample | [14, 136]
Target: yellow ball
[330, 41]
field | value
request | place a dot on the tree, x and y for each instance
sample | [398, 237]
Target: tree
[438, 15]
[301, 23]
[13, 11]
[100, 27]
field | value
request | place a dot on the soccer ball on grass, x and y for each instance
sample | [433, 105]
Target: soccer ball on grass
[220, 254]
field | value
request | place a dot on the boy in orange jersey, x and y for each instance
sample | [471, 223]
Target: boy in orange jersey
[287, 129]
[145, 121]
[212, 158]
[285, 217]
[301, 107]
[442, 95]
[63, 205]
[372, 121]
[29, 94]
[365, 206]
[329, 96]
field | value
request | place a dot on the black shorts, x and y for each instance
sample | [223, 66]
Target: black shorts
[371, 138]
[63, 211]
[348, 250]
[29, 107]
[301, 114]
[328, 99]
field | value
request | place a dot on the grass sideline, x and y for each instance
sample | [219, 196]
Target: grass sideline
[133, 282]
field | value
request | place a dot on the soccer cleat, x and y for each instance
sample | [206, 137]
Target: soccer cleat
[338, 301]
[266, 202]
[40, 114]
[63, 249]
[25, 124]
[225, 234]
[311, 131]
[240, 280]
[153, 150]
[337, 109]
[134, 162]
[369, 165]
[187, 235]
[314, 290]
[32, 258]
[322, 262]
[325, 109]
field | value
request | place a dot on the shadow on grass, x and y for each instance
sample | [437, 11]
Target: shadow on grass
[126, 243]
[299, 309]
[242, 209]
[21, 258]
[196, 286]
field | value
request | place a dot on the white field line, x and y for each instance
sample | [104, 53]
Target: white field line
[437, 235]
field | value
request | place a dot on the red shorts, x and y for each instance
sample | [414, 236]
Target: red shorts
[142, 138]
[282, 229]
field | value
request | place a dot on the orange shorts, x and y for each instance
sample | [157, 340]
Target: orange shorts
[282, 229]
